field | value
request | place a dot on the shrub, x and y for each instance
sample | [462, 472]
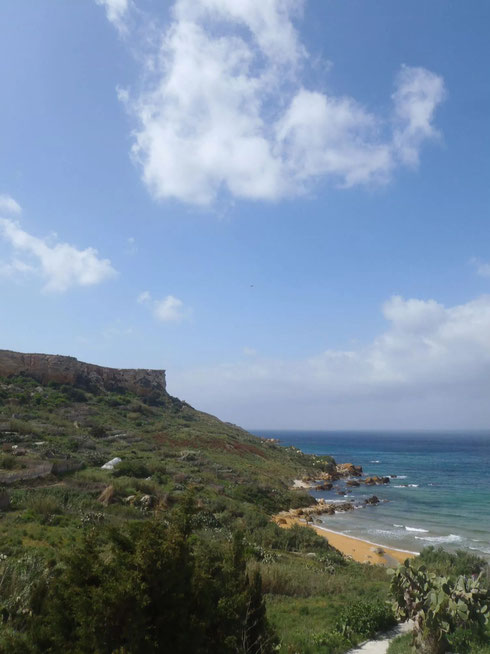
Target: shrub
[364, 619]
[132, 469]
[8, 462]
[334, 642]
[145, 590]
[98, 431]
[451, 564]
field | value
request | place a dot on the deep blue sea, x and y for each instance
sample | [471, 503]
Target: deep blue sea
[440, 496]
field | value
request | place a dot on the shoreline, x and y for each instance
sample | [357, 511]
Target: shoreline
[370, 542]
[362, 551]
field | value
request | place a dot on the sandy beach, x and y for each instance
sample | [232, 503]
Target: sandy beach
[360, 550]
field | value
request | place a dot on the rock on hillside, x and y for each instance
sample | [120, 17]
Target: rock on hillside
[68, 370]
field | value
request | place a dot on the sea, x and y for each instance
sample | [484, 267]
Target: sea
[439, 494]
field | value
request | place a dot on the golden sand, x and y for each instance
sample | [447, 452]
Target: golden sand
[360, 550]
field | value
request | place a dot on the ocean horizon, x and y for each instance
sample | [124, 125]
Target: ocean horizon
[439, 494]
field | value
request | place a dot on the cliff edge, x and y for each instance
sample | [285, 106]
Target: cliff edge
[68, 370]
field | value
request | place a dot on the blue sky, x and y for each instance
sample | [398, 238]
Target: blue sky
[284, 204]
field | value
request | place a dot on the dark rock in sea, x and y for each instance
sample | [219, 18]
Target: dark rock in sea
[372, 500]
[352, 482]
[324, 487]
[376, 480]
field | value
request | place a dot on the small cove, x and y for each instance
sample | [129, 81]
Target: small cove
[440, 495]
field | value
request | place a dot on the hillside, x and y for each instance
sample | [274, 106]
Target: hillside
[58, 436]
[170, 547]
[55, 437]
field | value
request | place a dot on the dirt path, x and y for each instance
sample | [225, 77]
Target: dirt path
[380, 645]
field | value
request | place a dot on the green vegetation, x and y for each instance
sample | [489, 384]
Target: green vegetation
[172, 550]
[440, 607]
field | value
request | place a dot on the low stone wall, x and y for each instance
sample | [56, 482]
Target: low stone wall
[34, 472]
[39, 470]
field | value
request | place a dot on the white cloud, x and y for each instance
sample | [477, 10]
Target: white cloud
[430, 368]
[482, 268]
[169, 309]
[61, 265]
[224, 109]
[143, 297]
[116, 12]
[418, 93]
[9, 205]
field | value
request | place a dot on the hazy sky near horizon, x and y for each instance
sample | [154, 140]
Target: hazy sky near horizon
[285, 204]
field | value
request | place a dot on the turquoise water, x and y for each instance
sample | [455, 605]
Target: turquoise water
[441, 495]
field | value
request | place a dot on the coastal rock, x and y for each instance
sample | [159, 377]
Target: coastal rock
[349, 470]
[352, 482]
[324, 487]
[47, 368]
[372, 500]
[376, 480]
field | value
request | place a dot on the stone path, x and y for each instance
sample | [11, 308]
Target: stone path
[380, 645]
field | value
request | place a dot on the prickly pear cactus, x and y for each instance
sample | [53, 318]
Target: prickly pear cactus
[437, 605]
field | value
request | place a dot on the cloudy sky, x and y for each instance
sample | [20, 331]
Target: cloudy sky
[283, 203]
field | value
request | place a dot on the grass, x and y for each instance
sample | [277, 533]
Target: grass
[238, 481]
[401, 645]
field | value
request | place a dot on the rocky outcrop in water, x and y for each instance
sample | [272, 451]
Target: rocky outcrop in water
[47, 368]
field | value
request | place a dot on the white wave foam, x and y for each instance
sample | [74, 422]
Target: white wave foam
[401, 476]
[375, 461]
[399, 526]
[451, 538]
[424, 531]
[413, 485]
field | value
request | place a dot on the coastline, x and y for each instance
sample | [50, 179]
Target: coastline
[362, 551]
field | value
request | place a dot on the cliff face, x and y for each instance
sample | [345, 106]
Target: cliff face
[68, 370]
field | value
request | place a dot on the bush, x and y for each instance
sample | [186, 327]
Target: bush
[8, 462]
[334, 642]
[144, 590]
[364, 619]
[451, 564]
[73, 394]
[132, 469]
[98, 431]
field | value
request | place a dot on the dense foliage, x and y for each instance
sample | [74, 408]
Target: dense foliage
[438, 605]
[152, 587]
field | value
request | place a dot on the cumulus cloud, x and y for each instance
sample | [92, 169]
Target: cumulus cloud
[61, 265]
[9, 205]
[224, 108]
[429, 368]
[169, 309]
[116, 12]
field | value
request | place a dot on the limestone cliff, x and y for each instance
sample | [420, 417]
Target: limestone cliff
[68, 370]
